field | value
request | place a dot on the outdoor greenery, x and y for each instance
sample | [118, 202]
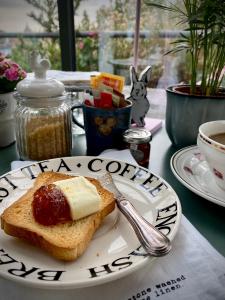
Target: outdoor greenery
[87, 48]
[46, 15]
[203, 40]
[116, 15]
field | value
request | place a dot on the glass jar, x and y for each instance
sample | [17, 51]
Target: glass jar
[43, 128]
[138, 141]
[43, 118]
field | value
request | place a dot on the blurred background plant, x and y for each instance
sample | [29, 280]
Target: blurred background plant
[101, 49]
[87, 48]
[203, 40]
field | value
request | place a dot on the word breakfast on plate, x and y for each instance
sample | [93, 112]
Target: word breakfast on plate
[165, 215]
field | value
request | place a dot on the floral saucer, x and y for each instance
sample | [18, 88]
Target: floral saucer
[191, 169]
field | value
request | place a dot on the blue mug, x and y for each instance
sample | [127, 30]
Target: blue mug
[103, 127]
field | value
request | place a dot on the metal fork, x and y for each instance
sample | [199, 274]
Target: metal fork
[154, 242]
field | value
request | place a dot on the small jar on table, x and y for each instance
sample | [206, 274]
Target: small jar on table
[42, 116]
[138, 141]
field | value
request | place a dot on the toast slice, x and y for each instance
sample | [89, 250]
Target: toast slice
[66, 241]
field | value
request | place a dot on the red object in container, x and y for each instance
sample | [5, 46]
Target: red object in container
[97, 102]
[106, 100]
[88, 102]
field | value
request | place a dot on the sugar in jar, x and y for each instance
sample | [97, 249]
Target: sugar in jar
[42, 116]
[138, 141]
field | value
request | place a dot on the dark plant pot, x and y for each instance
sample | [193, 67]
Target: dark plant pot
[185, 113]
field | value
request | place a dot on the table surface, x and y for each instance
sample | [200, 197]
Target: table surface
[206, 216]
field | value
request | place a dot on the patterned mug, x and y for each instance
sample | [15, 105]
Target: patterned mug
[103, 127]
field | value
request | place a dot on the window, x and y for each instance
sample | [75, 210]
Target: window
[104, 36]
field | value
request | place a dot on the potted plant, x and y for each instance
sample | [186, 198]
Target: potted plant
[203, 39]
[10, 74]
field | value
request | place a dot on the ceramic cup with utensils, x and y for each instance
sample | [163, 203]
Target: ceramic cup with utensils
[211, 141]
[104, 128]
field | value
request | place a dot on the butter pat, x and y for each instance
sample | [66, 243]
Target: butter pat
[82, 196]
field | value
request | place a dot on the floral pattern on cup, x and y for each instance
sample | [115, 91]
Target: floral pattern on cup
[188, 170]
[218, 173]
[197, 158]
[105, 125]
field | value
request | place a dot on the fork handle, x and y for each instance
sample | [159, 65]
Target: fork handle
[153, 241]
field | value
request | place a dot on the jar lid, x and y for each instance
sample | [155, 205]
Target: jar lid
[39, 86]
[137, 136]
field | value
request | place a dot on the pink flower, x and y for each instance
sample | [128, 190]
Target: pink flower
[15, 65]
[3, 67]
[12, 74]
[81, 45]
[23, 74]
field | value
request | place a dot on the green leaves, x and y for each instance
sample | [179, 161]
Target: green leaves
[7, 86]
[204, 22]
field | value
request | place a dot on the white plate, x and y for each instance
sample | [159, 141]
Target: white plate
[114, 251]
[191, 169]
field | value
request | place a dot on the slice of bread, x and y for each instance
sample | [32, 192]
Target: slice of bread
[66, 241]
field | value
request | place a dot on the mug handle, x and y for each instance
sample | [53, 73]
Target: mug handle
[75, 121]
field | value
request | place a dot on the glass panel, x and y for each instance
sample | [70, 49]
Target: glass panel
[104, 37]
[110, 45]
[37, 22]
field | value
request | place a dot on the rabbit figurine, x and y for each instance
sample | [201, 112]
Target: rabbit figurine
[138, 95]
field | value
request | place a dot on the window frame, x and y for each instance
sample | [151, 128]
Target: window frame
[67, 38]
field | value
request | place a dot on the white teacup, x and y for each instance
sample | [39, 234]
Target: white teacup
[211, 141]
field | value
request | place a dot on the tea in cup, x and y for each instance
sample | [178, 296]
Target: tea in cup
[211, 141]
